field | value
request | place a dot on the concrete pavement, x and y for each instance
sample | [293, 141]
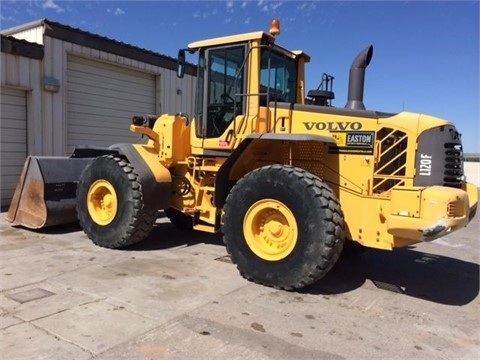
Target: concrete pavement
[177, 296]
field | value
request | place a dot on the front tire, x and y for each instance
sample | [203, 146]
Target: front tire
[110, 205]
[283, 227]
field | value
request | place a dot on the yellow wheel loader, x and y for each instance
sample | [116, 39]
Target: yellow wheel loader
[285, 176]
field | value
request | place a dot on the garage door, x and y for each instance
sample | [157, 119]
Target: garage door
[13, 148]
[101, 100]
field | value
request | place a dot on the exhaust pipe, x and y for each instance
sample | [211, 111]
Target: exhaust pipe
[357, 79]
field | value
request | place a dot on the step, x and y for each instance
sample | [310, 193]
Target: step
[207, 168]
[205, 228]
[207, 188]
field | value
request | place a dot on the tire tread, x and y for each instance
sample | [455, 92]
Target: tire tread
[142, 221]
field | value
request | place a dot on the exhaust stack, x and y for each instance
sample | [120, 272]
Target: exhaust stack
[357, 79]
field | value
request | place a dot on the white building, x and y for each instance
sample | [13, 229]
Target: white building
[62, 87]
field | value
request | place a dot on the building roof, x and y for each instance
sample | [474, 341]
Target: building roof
[102, 43]
[11, 45]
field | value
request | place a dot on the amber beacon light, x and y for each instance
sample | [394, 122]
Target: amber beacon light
[275, 27]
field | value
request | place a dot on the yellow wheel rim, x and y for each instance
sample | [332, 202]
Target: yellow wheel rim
[102, 202]
[270, 229]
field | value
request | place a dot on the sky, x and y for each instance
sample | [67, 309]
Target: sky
[425, 59]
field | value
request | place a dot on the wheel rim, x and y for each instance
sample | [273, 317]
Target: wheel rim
[270, 229]
[102, 202]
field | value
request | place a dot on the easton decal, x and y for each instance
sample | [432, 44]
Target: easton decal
[353, 142]
[363, 139]
[333, 126]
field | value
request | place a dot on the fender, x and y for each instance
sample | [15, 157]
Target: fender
[155, 178]
[223, 183]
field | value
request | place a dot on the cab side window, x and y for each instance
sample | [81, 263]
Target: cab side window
[278, 77]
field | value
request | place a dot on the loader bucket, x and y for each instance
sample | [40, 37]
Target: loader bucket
[45, 194]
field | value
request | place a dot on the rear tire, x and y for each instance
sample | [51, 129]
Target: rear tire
[283, 227]
[110, 205]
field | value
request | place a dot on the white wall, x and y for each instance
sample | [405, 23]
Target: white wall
[23, 73]
[33, 35]
[54, 108]
[47, 110]
[472, 172]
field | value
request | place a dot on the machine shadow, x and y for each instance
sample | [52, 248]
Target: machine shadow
[407, 271]
[57, 230]
[166, 236]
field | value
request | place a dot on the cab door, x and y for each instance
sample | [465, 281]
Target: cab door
[224, 103]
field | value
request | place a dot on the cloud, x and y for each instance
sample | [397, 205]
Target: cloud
[307, 6]
[230, 7]
[268, 6]
[7, 19]
[262, 5]
[50, 4]
[31, 12]
[204, 14]
[119, 11]
[275, 6]
[116, 12]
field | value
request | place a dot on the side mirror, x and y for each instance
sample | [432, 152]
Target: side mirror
[181, 63]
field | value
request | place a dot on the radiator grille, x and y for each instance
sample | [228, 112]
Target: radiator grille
[391, 165]
[453, 174]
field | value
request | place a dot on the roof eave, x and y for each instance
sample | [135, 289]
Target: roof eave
[301, 53]
[23, 27]
[77, 36]
[231, 39]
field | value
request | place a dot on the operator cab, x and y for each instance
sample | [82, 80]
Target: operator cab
[236, 76]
